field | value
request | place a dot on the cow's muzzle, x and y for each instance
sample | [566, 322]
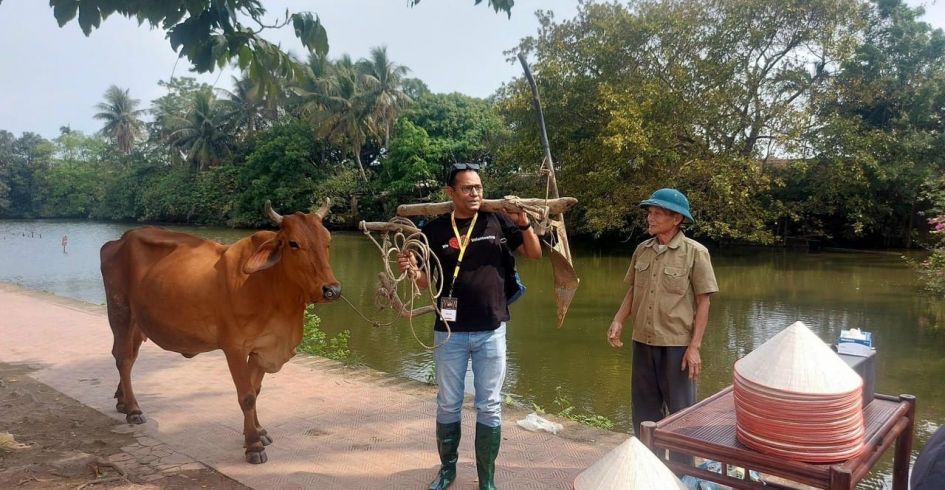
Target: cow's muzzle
[331, 292]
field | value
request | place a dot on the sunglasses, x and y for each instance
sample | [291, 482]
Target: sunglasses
[457, 168]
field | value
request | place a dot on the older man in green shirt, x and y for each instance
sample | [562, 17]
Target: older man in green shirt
[670, 281]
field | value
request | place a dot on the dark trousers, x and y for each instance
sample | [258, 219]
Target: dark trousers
[658, 387]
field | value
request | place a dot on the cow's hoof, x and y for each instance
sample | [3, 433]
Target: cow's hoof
[135, 418]
[265, 439]
[256, 457]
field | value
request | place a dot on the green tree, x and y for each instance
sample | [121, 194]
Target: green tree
[72, 184]
[415, 88]
[124, 181]
[305, 95]
[384, 82]
[679, 93]
[340, 107]
[247, 108]
[407, 174]
[283, 168]
[201, 137]
[931, 270]
[167, 194]
[463, 128]
[348, 191]
[6, 170]
[4, 191]
[122, 118]
[216, 195]
[173, 105]
[72, 190]
[24, 163]
[876, 156]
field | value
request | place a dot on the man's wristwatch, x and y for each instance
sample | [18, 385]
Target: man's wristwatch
[525, 226]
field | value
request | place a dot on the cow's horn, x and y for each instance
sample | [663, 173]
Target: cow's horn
[272, 214]
[323, 211]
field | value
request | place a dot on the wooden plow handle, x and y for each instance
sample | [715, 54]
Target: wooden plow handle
[549, 207]
[387, 227]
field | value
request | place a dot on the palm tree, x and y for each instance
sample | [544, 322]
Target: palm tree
[340, 107]
[201, 136]
[305, 94]
[385, 83]
[246, 109]
[122, 118]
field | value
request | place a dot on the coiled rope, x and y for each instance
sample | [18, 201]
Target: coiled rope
[408, 239]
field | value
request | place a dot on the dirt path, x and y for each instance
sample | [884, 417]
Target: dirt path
[59, 443]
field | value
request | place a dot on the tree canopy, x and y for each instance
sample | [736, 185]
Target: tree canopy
[122, 118]
[747, 106]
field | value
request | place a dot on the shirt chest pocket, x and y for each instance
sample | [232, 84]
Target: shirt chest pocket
[641, 274]
[675, 280]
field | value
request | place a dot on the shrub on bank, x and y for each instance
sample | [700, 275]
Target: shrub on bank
[932, 270]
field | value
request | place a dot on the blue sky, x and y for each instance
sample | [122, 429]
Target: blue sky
[54, 76]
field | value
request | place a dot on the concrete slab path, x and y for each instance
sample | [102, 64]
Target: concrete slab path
[333, 427]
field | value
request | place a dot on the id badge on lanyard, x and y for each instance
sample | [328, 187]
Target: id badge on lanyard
[448, 307]
[448, 304]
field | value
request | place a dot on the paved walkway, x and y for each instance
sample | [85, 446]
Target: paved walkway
[333, 427]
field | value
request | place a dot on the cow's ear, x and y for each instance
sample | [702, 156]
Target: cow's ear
[266, 256]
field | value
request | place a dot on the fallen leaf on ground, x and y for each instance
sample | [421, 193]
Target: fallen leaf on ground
[8, 442]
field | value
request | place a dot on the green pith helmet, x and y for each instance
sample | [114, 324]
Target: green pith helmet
[670, 199]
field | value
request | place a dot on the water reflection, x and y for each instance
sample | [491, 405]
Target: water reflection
[762, 291]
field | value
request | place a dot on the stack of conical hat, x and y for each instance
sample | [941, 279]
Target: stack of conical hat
[796, 399]
[629, 466]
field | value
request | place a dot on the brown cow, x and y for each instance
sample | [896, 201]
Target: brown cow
[191, 295]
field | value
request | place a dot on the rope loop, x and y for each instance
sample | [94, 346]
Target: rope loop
[394, 244]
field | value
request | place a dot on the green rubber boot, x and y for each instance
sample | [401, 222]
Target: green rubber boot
[488, 440]
[447, 444]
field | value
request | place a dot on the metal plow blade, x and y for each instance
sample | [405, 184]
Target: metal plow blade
[566, 279]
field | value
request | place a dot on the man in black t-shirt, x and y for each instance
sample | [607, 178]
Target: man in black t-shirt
[474, 251]
[928, 473]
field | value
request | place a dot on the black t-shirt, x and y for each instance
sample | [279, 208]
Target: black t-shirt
[480, 287]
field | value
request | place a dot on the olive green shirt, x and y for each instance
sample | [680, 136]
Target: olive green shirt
[665, 285]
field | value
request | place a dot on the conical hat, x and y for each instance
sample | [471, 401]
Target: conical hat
[629, 466]
[797, 361]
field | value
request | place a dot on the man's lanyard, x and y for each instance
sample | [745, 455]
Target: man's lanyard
[463, 243]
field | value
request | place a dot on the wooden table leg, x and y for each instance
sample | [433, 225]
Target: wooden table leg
[903, 454]
[840, 478]
[646, 434]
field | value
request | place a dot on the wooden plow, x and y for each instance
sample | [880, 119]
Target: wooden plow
[566, 279]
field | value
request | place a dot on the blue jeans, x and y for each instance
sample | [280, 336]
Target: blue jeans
[487, 351]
